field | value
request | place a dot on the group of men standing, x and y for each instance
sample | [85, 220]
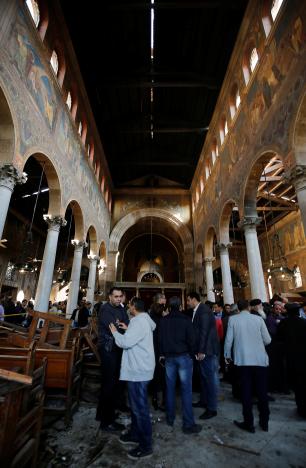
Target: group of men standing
[181, 342]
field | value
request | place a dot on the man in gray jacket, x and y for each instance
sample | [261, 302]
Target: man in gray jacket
[249, 335]
[137, 368]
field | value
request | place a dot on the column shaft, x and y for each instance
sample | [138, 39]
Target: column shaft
[75, 277]
[47, 267]
[228, 296]
[92, 277]
[209, 279]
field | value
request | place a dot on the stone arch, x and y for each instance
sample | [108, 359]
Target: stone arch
[130, 219]
[252, 182]
[299, 133]
[78, 219]
[102, 250]
[209, 242]
[7, 133]
[224, 221]
[92, 234]
[55, 192]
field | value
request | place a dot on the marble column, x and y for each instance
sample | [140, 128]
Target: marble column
[209, 278]
[47, 267]
[9, 177]
[93, 260]
[228, 295]
[75, 276]
[297, 177]
[257, 280]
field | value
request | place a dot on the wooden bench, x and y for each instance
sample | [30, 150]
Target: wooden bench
[63, 373]
[21, 410]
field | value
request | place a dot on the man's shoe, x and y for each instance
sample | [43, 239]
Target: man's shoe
[242, 425]
[111, 428]
[193, 429]
[264, 426]
[208, 414]
[137, 453]
[128, 439]
[199, 404]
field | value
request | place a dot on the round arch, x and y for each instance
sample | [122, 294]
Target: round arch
[7, 133]
[92, 235]
[55, 192]
[78, 219]
[102, 250]
[224, 221]
[209, 242]
[130, 219]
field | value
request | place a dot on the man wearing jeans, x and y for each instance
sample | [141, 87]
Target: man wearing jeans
[176, 341]
[137, 368]
[207, 352]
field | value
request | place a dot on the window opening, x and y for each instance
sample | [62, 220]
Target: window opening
[298, 282]
[276, 4]
[34, 10]
[238, 99]
[69, 100]
[253, 59]
[54, 62]
[80, 128]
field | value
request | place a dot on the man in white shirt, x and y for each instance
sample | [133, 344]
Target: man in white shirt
[248, 335]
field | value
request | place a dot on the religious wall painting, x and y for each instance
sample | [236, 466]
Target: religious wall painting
[32, 72]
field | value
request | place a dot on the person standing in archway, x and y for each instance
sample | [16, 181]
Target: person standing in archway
[111, 354]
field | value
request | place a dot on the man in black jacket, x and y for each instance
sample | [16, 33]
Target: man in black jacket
[207, 352]
[111, 387]
[176, 340]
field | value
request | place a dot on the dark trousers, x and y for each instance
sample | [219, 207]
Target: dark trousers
[254, 377]
[111, 388]
[209, 382]
[141, 427]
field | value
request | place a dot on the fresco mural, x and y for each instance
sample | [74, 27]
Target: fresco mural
[30, 67]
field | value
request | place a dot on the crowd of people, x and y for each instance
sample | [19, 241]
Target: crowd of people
[148, 351]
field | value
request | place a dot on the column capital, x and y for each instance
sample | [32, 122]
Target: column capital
[93, 258]
[10, 176]
[222, 247]
[78, 244]
[249, 223]
[297, 177]
[55, 222]
[209, 259]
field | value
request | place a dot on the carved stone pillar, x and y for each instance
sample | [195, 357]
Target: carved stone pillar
[9, 177]
[75, 276]
[47, 267]
[257, 280]
[228, 295]
[297, 177]
[209, 278]
[93, 260]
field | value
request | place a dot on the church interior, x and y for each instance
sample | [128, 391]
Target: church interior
[154, 145]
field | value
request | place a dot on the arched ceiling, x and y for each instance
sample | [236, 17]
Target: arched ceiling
[153, 113]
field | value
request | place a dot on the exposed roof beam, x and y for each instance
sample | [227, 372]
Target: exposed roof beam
[276, 208]
[270, 178]
[275, 198]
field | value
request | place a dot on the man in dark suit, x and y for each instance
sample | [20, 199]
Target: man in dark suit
[207, 353]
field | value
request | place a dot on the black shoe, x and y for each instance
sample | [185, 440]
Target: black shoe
[137, 453]
[199, 404]
[264, 426]
[128, 439]
[208, 414]
[193, 429]
[242, 425]
[111, 428]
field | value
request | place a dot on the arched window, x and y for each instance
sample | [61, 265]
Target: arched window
[214, 151]
[201, 184]
[298, 282]
[54, 62]
[207, 171]
[253, 59]
[223, 129]
[250, 61]
[69, 100]
[34, 11]
[80, 128]
[197, 196]
[275, 7]
[234, 100]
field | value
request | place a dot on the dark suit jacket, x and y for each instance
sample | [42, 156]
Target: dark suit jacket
[205, 329]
